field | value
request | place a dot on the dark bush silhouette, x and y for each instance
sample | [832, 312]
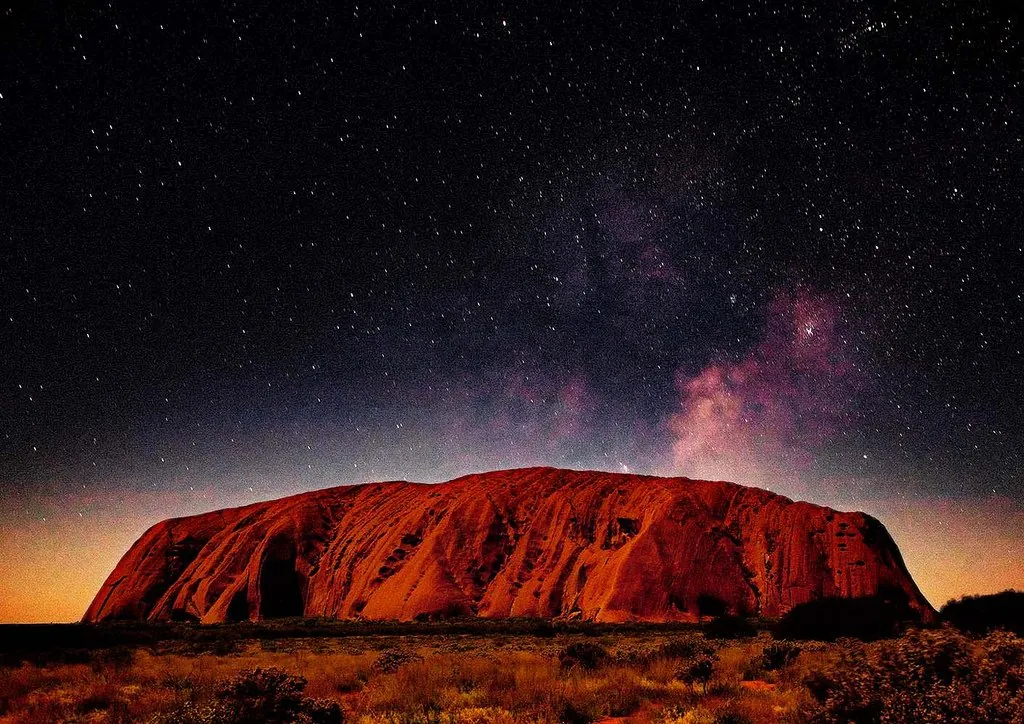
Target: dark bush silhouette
[698, 671]
[573, 715]
[729, 627]
[779, 655]
[95, 702]
[583, 655]
[730, 717]
[390, 661]
[981, 614]
[867, 618]
[271, 695]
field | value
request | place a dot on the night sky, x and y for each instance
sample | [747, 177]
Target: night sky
[258, 248]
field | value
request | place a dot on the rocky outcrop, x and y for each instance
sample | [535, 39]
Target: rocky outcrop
[536, 542]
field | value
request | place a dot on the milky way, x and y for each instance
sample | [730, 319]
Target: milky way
[250, 252]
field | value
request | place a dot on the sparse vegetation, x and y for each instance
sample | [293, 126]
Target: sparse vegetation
[926, 676]
[533, 674]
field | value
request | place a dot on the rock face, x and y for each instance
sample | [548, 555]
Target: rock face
[533, 542]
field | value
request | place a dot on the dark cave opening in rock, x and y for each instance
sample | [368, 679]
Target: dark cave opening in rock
[280, 585]
[238, 609]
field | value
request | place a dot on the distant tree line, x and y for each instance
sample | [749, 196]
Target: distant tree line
[981, 614]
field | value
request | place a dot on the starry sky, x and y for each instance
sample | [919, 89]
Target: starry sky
[251, 249]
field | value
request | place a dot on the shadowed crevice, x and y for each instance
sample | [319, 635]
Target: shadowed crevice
[280, 584]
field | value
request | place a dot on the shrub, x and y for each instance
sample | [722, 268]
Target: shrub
[271, 695]
[779, 655]
[570, 714]
[729, 627]
[95, 702]
[685, 649]
[190, 713]
[583, 655]
[224, 647]
[867, 618]
[698, 671]
[388, 662]
[349, 682]
[981, 614]
[320, 711]
[731, 717]
[926, 676]
[544, 628]
[675, 714]
[117, 657]
[752, 669]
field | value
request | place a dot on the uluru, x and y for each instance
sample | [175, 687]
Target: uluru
[532, 542]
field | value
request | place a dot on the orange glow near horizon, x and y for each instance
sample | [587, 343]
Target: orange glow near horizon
[955, 548]
[51, 566]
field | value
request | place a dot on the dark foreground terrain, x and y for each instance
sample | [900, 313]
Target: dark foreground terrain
[511, 671]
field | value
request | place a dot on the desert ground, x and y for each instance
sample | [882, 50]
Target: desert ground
[513, 671]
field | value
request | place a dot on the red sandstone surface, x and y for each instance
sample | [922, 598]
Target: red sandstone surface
[536, 542]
